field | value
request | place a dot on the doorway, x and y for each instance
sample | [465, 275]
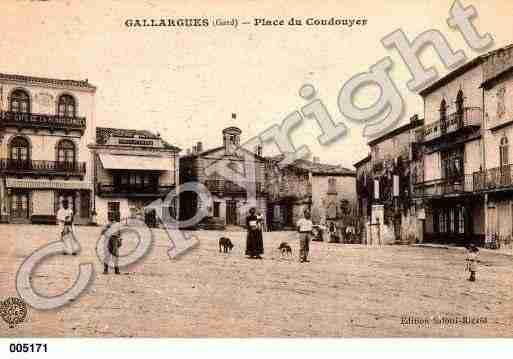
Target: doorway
[20, 206]
[231, 212]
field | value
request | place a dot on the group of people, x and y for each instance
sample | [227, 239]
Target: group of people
[71, 245]
[255, 242]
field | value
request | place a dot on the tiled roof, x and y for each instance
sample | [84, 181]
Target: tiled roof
[317, 168]
[103, 134]
[45, 80]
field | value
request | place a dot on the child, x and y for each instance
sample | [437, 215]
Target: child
[334, 238]
[472, 255]
[113, 242]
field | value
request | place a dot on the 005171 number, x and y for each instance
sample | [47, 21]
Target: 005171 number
[28, 348]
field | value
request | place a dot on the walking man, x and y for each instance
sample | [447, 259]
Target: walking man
[65, 223]
[304, 227]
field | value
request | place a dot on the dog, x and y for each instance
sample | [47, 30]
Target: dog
[225, 245]
[285, 249]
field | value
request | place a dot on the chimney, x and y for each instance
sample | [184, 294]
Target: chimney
[259, 150]
[315, 159]
[188, 151]
[194, 149]
[199, 146]
[234, 116]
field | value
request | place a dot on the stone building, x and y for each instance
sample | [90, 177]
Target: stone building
[463, 152]
[132, 168]
[383, 181]
[233, 175]
[495, 181]
[450, 148]
[45, 126]
[327, 190]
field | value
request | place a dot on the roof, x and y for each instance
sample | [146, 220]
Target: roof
[316, 168]
[410, 125]
[202, 153]
[461, 70]
[49, 81]
[362, 161]
[103, 134]
[490, 82]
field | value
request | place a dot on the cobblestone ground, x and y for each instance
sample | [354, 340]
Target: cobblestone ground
[346, 290]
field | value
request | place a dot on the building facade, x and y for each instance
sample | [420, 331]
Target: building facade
[45, 126]
[461, 187]
[384, 182]
[451, 151]
[217, 169]
[132, 168]
[328, 191]
[495, 181]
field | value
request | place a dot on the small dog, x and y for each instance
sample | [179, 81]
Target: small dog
[225, 245]
[285, 249]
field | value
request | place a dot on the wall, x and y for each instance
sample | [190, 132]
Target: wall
[469, 83]
[102, 209]
[498, 110]
[346, 190]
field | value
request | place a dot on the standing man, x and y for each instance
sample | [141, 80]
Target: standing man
[304, 227]
[65, 223]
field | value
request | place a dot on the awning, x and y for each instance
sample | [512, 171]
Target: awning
[46, 184]
[125, 162]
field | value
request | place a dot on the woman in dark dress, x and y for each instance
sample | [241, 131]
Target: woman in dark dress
[254, 241]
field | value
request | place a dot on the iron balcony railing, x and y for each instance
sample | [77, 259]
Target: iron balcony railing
[139, 189]
[467, 118]
[42, 121]
[41, 167]
[494, 178]
[229, 187]
[445, 186]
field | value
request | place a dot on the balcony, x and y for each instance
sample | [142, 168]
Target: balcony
[227, 187]
[42, 168]
[378, 166]
[42, 121]
[470, 118]
[133, 190]
[445, 187]
[494, 179]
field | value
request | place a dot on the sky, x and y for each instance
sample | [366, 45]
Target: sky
[186, 82]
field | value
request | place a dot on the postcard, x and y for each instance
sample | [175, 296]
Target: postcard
[243, 169]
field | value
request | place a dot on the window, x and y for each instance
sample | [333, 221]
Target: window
[136, 180]
[452, 163]
[461, 219]
[19, 149]
[452, 221]
[443, 114]
[20, 101]
[113, 213]
[459, 102]
[442, 221]
[503, 152]
[332, 185]
[216, 209]
[66, 106]
[66, 152]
